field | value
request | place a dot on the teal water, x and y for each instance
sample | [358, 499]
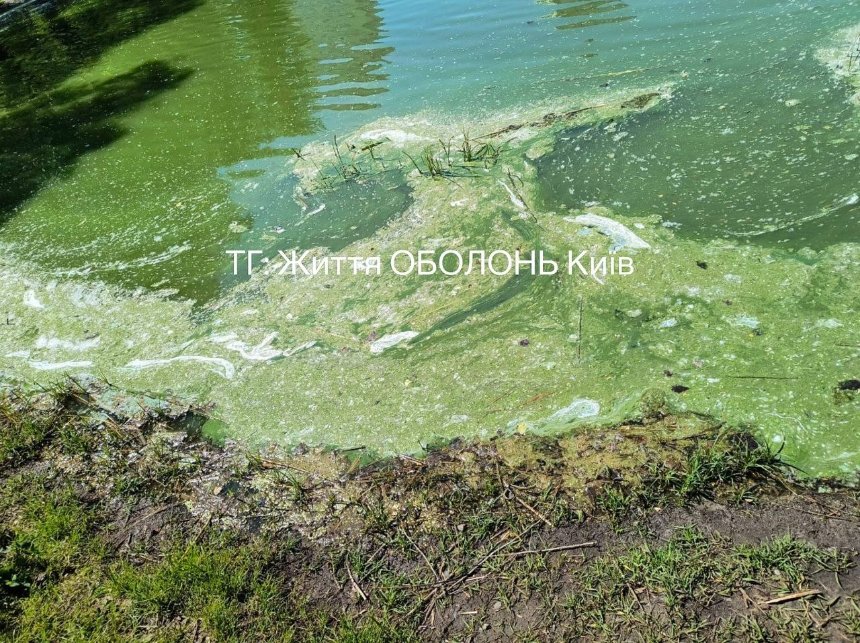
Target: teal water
[140, 140]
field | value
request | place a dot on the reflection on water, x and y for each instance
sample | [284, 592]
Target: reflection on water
[157, 212]
[576, 14]
[191, 156]
[348, 52]
[348, 65]
[68, 123]
[44, 45]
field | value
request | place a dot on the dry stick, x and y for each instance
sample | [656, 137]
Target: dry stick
[751, 602]
[517, 554]
[268, 463]
[449, 583]
[494, 552]
[204, 525]
[760, 377]
[350, 449]
[493, 401]
[475, 579]
[579, 335]
[537, 514]
[409, 458]
[452, 583]
[542, 123]
[829, 516]
[423, 555]
[550, 550]
[355, 584]
[535, 398]
[792, 597]
[534, 511]
[636, 597]
[372, 559]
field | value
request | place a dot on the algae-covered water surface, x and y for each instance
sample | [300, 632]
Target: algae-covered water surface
[142, 141]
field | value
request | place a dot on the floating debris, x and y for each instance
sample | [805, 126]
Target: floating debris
[622, 237]
[388, 341]
[227, 369]
[262, 352]
[31, 301]
[298, 349]
[57, 366]
[745, 321]
[517, 201]
[579, 409]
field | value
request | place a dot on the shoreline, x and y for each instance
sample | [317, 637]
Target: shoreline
[125, 521]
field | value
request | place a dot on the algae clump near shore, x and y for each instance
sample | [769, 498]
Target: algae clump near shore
[842, 57]
[745, 333]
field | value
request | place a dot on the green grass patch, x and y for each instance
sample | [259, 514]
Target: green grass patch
[688, 573]
[22, 434]
[731, 465]
[108, 534]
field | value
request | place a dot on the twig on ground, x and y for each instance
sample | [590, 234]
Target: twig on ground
[355, 585]
[550, 550]
[792, 597]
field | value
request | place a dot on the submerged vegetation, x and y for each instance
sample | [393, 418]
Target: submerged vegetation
[462, 157]
[121, 522]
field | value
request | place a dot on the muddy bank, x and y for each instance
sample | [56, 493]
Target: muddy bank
[120, 522]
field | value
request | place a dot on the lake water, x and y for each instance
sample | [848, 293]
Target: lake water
[139, 140]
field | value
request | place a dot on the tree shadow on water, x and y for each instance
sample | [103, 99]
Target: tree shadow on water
[44, 46]
[47, 122]
[43, 138]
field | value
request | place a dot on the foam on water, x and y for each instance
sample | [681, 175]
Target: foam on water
[753, 334]
[304, 358]
[842, 57]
